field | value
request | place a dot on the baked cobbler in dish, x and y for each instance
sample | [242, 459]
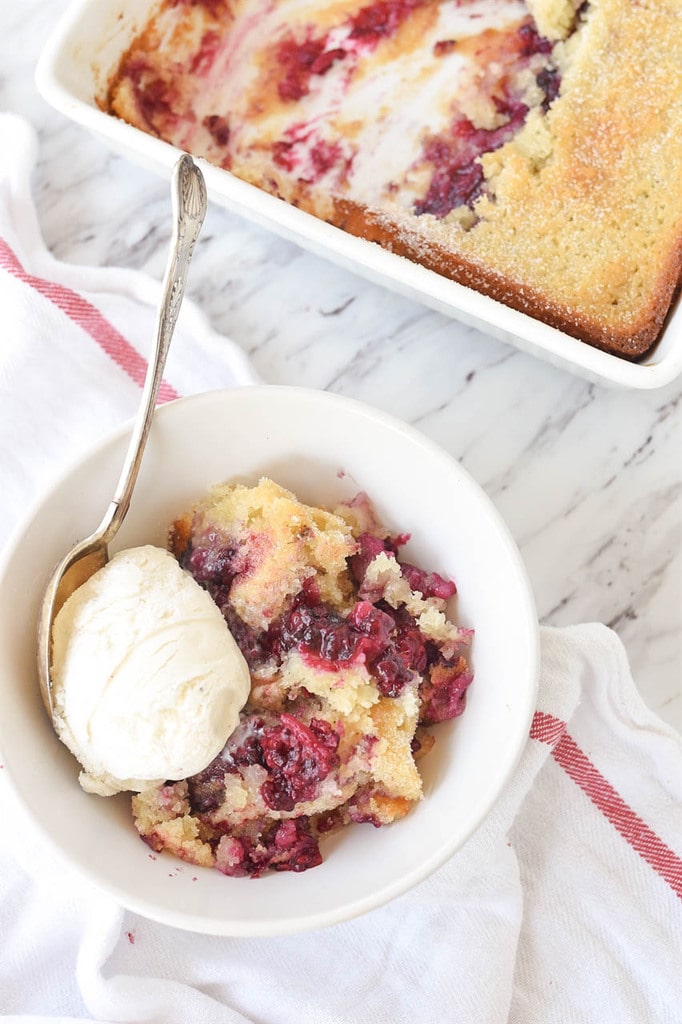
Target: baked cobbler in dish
[529, 149]
[352, 658]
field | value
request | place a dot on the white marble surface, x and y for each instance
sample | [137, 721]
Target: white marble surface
[588, 479]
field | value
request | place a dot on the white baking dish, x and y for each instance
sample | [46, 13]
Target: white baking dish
[73, 71]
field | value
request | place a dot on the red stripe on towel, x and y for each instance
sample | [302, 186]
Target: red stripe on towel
[577, 765]
[89, 318]
[546, 728]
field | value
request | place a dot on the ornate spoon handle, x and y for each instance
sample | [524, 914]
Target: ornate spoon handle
[189, 209]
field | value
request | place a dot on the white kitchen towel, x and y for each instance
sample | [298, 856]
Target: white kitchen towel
[564, 908]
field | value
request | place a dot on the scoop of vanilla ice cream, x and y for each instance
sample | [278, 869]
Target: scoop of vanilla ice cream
[148, 680]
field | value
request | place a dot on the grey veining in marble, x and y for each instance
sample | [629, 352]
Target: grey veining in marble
[589, 480]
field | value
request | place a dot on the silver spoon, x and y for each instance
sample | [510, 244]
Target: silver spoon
[89, 555]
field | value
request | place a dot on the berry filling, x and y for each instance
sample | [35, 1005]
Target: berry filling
[155, 98]
[300, 62]
[332, 99]
[428, 584]
[297, 757]
[385, 640]
[207, 789]
[219, 128]
[328, 736]
[214, 565]
[443, 694]
[206, 54]
[457, 177]
[369, 547]
[288, 846]
[380, 20]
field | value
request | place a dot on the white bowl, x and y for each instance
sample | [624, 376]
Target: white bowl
[325, 448]
[72, 75]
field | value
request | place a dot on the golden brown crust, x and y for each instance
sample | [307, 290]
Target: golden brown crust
[632, 341]
[180, 535]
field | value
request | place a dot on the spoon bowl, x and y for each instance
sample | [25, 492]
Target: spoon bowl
[91, 554]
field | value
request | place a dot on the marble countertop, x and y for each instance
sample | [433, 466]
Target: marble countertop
[589, 480]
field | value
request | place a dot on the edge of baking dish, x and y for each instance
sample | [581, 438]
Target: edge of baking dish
[72, 71]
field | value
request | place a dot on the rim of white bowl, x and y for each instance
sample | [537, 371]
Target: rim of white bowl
[240, 927]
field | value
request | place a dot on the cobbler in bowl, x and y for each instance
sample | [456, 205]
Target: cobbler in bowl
[341, 614]
[352, 660]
